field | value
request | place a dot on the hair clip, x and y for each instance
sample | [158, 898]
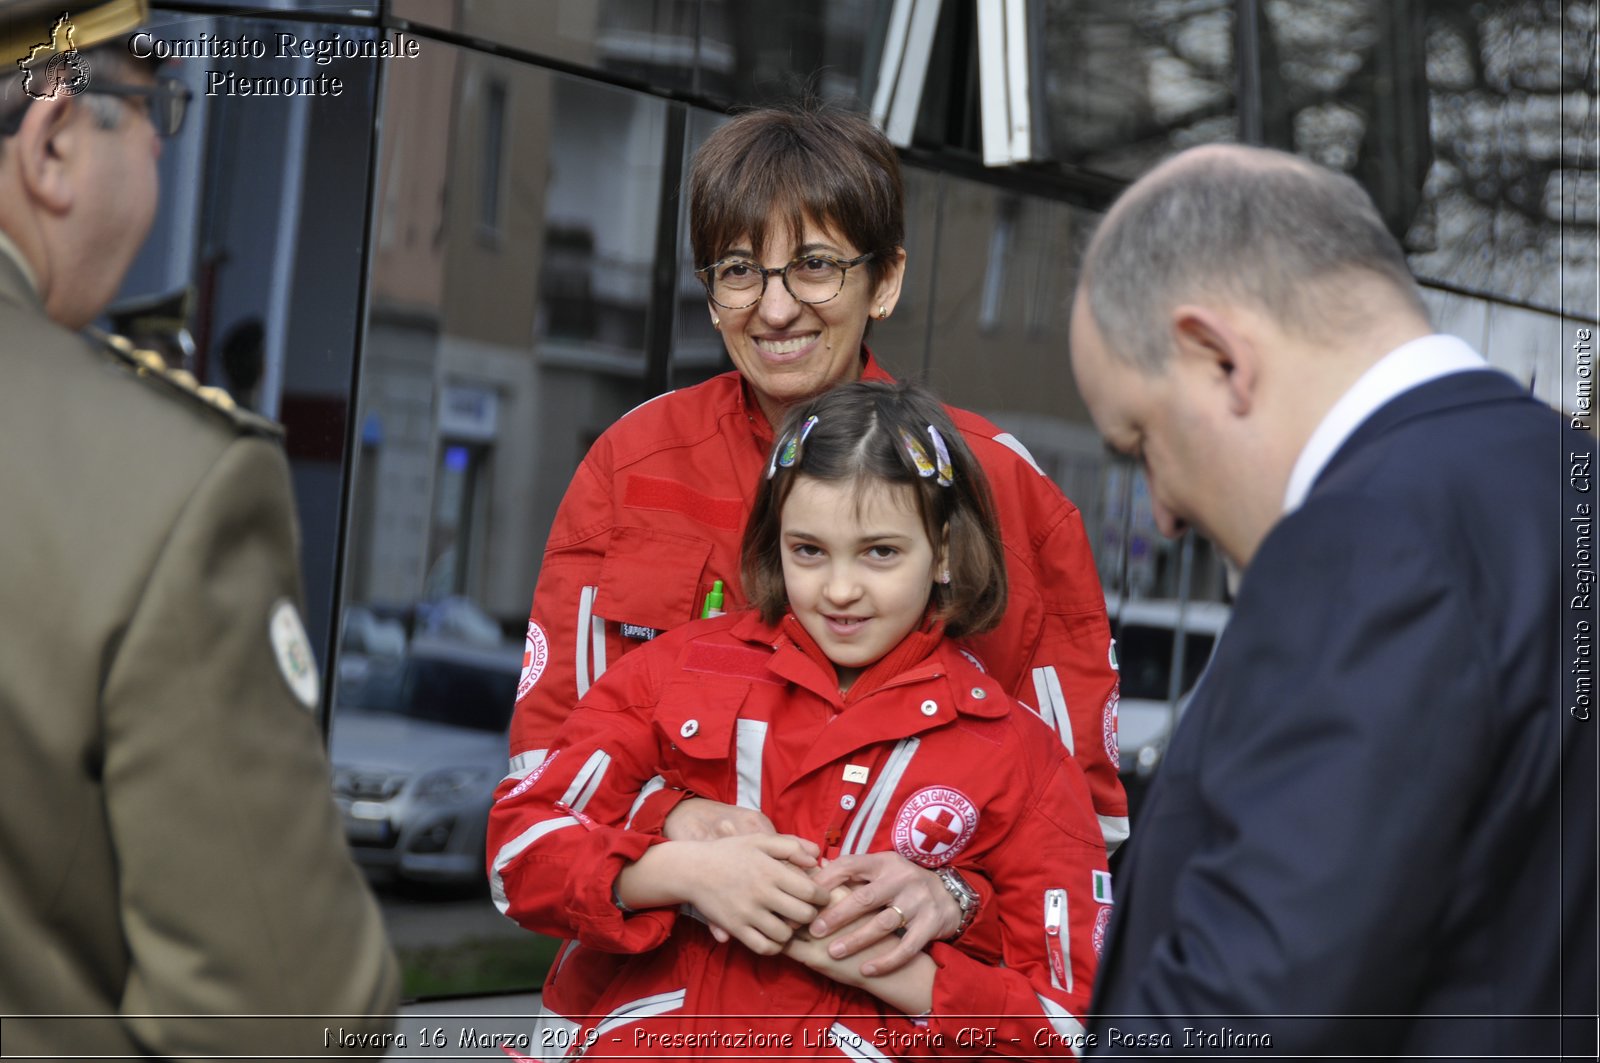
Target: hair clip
[786, 454]
[947, 471]
[918, 456]
[772, 465]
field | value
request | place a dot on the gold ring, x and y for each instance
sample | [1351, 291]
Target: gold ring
[901, 914]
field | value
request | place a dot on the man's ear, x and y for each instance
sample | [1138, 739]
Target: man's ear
[1213, 343]
[45, 144]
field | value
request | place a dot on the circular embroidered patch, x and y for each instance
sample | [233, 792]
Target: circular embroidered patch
[1102, 923]
[934, 824]
[1108, 724]
[535, 654]
[293, 650]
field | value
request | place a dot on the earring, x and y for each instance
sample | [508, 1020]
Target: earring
[944, 577]
[883, 312]
[716, 322]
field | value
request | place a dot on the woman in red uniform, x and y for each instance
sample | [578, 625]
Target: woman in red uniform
[840, 708]
[797, 221]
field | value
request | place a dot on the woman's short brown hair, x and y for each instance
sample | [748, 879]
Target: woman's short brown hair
[806, 162]
[858, 437]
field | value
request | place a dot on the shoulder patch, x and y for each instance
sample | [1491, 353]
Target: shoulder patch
[292, 649]
[743, 662]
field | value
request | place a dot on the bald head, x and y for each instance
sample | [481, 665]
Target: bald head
[1251, 226]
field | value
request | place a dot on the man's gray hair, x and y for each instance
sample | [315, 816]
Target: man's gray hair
[1249, 225]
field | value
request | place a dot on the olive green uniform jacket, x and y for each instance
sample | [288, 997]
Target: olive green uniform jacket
[169, 846]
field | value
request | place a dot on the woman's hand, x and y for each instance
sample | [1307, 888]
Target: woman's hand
[906, 986]
[879, 884]
[754, 887]
[700, 819]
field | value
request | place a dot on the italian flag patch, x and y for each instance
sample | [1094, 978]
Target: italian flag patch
[1102, 887]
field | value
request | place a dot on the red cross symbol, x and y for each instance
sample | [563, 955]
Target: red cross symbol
[935, 830]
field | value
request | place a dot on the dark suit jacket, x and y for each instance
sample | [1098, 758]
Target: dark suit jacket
[1379, 803]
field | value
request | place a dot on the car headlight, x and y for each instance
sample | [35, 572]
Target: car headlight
[447, 784]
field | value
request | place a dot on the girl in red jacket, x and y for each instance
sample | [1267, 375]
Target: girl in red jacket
[843, 709]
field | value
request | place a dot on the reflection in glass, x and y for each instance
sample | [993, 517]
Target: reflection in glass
[511, 286]
[1127, 83]
[1470, 126]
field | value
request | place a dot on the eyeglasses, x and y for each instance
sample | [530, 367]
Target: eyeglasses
[168, 100]
[735, 283]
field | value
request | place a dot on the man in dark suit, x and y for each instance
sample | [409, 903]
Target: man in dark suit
[174, 879]
[1374, 831]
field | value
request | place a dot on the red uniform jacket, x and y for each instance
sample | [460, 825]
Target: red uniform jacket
[930, 759]
[655, 513]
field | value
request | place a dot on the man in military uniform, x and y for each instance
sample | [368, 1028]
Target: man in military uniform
[171, 849]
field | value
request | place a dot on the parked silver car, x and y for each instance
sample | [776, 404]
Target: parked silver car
[1162, 648]
[418, 745]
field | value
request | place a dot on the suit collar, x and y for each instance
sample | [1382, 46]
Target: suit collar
[1451, 392]
[1408, 366]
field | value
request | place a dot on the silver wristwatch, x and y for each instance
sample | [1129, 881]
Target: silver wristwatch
[964, 895]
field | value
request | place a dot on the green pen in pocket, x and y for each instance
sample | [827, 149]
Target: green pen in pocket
[713, 605]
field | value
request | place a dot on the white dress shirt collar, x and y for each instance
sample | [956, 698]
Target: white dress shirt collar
[11, 251]
[1408, 366]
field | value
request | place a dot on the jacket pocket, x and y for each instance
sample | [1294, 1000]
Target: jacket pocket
[697, 721]
[651, 578]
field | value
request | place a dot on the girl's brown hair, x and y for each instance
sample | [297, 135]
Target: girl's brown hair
[858, 436]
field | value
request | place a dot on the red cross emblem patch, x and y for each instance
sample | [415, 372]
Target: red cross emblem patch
[934, 824]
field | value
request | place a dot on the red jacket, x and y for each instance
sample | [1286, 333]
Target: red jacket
[655, 513]
[740, 712]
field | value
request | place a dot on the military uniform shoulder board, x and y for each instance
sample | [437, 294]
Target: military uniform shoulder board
[152, 366]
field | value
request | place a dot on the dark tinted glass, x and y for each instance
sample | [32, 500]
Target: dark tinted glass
[1127, 82]
[1471, 124]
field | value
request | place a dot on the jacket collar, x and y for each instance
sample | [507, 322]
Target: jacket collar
[764, 430]
[925, 655]
[1449, 392]
[17, 283]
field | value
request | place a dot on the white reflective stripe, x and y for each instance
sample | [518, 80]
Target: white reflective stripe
[523, 763]
[646, 1008]
[513, 848]
[870, 812]
[852, 1045]
[1012, 443]
[1041, 694]
[1058, 703]
[1115, 831]
[1061, 1020]
[599, 626]
[554, 1035]
[587, 781]
[645, 791]
[752, 744]
[585, 615]
[563, 954]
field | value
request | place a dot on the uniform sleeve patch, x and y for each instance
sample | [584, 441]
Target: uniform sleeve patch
[1108, 725]
[934, 825]
[292, 649]
[535, 655]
